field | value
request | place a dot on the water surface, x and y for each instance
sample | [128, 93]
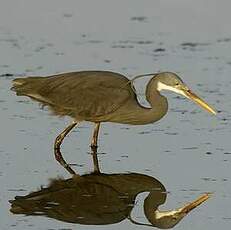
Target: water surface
[188, 150]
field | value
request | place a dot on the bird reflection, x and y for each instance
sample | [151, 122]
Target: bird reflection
[100, 199]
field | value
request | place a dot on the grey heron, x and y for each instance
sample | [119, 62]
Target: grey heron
[102, 96]
[100, 199]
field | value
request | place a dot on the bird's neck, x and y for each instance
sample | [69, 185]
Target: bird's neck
[135, 114]
[160, 219]
[158, 103]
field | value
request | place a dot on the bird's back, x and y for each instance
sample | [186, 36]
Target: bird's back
[77, 200]
[83, 95]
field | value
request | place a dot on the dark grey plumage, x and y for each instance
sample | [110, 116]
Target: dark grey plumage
[99, 199]
[101, 96]
[78, 94]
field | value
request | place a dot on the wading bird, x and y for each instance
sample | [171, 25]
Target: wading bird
[99, 199]
[102, 96]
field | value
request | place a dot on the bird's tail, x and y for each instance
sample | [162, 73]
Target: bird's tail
[24, 206]
[16, 207]
[25, 86]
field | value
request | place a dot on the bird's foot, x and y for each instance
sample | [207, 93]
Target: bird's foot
[94, 149]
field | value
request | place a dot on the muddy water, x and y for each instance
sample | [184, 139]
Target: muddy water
[189, 150]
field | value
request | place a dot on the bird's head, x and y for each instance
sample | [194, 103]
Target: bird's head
[172, 82]
[168, 219]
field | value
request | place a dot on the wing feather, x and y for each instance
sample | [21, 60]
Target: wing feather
[86, 94]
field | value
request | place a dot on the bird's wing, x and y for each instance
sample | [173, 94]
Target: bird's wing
[90, 94]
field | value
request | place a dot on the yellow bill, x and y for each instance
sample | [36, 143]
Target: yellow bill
[199, 101]
[189, 207]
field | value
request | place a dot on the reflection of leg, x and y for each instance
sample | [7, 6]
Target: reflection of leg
[94, 146]
[94, 140]
[58, 142]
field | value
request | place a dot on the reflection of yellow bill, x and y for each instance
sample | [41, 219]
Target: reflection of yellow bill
[200, 102]
[189, 207]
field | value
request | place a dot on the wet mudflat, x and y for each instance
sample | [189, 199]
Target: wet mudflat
[188, 151]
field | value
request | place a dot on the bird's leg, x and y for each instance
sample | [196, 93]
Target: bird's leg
[94, 147]
[57, 144]
[94, 140]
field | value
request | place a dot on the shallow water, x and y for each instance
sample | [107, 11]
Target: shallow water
[189, 150]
